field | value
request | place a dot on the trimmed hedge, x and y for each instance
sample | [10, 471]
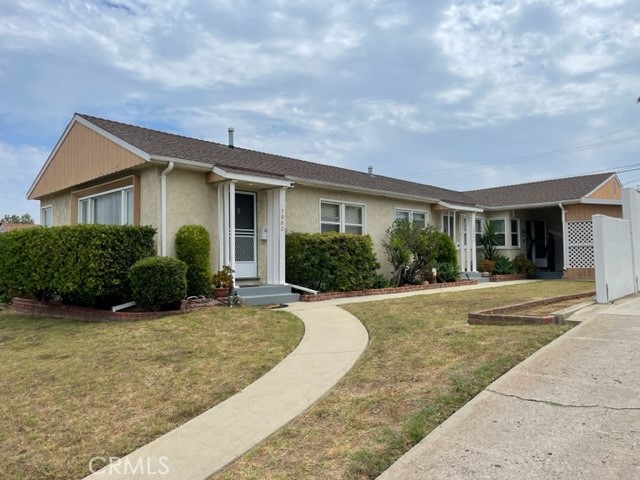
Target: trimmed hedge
[85, 265]
[158, 282]
[331, 261]
[193, 248]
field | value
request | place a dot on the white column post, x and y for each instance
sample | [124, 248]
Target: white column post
[463, 251]
[469, 244]
[281, 194]
[232, 226]
[221, 225]
[472, 241]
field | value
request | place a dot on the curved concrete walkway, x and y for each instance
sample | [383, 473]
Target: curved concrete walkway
[332, 342]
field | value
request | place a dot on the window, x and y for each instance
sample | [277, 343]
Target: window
[499, 224]
[479, 227]
[341, 217]
[515, 232]
[46, 216]
[415, 216]
[110, 208]
[448, 224]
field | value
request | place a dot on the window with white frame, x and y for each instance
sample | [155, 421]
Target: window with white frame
[416, 216]
[46, 216]
[447, 224]
[479, 229]
[341, 217]
[515, 232]
[500, 228]
[114, 207]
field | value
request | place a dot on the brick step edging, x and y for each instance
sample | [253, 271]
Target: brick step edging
[383, 291]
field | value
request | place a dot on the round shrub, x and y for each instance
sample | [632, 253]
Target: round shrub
[446, 251]
[158, 282]
[193, 248]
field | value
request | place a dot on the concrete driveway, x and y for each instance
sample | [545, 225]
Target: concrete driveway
[572, 410]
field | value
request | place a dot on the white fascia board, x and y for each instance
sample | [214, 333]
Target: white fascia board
[529, 205]
[205, 167]
[601, 184]
[243, 177]
[460, 208]
[370, 191]
[600, 201]
[78, 119]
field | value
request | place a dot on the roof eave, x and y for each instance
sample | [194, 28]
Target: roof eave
[371, 191]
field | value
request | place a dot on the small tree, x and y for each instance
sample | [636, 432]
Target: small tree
[489, 241]
[412, 251]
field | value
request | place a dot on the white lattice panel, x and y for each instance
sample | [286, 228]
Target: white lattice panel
[580, 244]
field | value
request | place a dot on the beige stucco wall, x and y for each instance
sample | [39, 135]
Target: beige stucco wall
[191, 201]
[61, 207]
[303, 214]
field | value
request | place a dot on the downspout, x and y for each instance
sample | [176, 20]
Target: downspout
[163, 209]
[565, 239]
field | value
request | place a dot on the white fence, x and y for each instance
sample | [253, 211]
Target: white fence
[617, 250]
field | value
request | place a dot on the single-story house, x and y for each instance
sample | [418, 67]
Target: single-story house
[102, 171]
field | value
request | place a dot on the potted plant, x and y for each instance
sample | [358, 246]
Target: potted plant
[486, 267]
[222, 281]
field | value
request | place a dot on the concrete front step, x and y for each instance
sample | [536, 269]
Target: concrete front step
[267, 295]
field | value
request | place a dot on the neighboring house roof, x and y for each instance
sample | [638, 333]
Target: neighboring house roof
[7, 227]
[163, 144]
[544, 192]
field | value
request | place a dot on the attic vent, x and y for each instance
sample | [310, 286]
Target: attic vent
[230, 137]
[370, 170]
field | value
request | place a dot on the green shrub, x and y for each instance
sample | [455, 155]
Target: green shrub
[193, 248]
[504, 265]
[82, 264]
[523, 265]
[445, 249]
[380, 281]
[158, 282]
[447, 272]
[413, 251]
[331, 261]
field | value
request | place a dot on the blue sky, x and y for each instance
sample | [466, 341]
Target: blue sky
[459, 94]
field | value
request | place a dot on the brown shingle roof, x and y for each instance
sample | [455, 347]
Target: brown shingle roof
[548, 191]
[170, 145]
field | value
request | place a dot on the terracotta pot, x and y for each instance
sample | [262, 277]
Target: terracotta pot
[221, 292]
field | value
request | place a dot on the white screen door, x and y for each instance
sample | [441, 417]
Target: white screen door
[246, 241]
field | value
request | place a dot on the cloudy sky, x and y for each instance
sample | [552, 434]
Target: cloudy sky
[459, 94]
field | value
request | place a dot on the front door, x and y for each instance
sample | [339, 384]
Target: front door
[539, 249]
[245, 235]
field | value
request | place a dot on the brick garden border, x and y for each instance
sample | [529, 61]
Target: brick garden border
[52, 309]
[501, 315]
[508, 277]
[383, 291]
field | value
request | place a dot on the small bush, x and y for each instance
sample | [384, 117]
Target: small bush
[158, 282]
[380, 281]
[331, 261]
[523, 265]
[487, 266]
[445, 249]
[193, 247]
[447, 272]
[504, 265]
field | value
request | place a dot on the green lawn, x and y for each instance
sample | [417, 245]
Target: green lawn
[423, 363]
[70, 391]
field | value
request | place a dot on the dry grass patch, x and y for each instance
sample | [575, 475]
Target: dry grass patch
[71, 391]
[423, 362]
